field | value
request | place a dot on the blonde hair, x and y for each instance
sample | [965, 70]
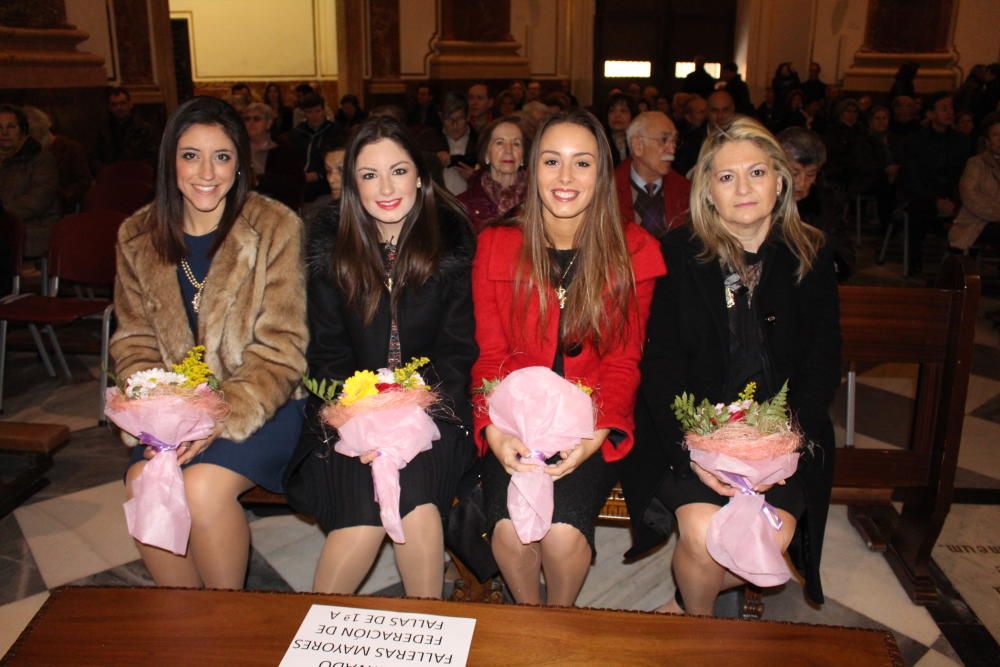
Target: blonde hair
[603, 292]
[720, 244]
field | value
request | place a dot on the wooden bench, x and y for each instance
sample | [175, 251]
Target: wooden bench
[35, 444]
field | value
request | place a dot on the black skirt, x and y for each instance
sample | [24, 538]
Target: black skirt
[579, 495]
[338, 491]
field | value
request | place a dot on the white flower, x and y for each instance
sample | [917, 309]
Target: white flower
[140, 384]
[385, 376]
[418, 380]
[720, 407]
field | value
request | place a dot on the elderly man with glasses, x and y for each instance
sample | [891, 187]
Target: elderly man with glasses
[650, 192]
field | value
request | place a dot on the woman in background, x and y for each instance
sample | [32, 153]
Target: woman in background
[497, 189]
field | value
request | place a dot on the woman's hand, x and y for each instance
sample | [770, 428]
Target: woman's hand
[507, 449]
[763, 488]
[712, 482]
[572, 459]
[188, 450]
[368, 457]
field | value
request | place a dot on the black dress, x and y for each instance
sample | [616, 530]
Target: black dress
[579, 496]
[434, 320]
[688, 349]
[748, 362]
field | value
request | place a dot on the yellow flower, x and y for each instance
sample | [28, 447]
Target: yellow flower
[358, 386]
[748, 391]
[584, 388]
[407, 376]
[193, 368]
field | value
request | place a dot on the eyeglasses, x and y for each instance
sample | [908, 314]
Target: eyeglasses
[662, 140]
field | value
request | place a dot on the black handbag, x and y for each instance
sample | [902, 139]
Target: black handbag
[465, 532]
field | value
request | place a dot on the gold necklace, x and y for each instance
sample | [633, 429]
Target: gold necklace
[199, 286]
[560, 290]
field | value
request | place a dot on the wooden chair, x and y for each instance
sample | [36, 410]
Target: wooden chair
[125, 195]
[81, 250]
[127, 170]
[34, 444]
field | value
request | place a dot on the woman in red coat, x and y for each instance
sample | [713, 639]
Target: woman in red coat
[567, 287]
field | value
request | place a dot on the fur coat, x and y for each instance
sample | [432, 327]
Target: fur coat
[253, 311]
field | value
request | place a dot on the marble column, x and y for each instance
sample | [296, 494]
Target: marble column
[38, 48]
[901, 31]
[473, 41]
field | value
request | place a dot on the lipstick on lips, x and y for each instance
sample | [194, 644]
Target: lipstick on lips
[389, 204]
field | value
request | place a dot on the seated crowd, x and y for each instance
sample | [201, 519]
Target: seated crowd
[691, 244]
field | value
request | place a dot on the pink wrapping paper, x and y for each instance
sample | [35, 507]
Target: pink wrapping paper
[549, 415]
[157, 514]
[740, 536]
[397, 434]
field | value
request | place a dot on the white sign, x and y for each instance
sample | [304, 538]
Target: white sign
[348, 637]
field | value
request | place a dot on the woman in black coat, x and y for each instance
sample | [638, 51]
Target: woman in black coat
[389, 281]
[779, 321]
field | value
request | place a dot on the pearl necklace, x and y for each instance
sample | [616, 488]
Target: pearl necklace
[199, 286]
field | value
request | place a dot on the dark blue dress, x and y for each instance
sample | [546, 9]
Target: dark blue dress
[263, 456]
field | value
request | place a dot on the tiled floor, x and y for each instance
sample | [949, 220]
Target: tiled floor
[72, 532]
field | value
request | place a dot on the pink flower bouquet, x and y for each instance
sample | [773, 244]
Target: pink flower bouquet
[746, 444]
[383, 412]
[549, 415]
[165, 409]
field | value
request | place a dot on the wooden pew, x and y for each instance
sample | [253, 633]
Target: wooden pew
[33, 445]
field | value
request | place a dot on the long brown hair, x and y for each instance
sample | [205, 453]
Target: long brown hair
[357, 260]
[720, 244]
[167, 211]
[603, 288]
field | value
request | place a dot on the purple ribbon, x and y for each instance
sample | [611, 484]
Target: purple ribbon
[158, 445]
[535, 454]
[741, 483]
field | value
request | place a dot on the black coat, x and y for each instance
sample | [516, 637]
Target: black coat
[435, 320]
[687, 350]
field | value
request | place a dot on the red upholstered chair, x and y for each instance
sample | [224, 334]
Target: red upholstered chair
[81, 250]
[128, 170]
[125, 195]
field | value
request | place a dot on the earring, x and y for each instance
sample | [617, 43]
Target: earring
[419, 184]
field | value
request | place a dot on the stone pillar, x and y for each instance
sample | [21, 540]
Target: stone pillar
[38, 48]
[901, 31]
[473, 41]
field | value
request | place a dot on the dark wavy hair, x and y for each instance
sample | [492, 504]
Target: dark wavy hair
[357, 259]
[167, 213]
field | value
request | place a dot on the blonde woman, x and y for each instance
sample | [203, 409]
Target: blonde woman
[566, 286]
[751, 296]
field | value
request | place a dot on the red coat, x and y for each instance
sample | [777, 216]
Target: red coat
[676, 192]
[613, 375]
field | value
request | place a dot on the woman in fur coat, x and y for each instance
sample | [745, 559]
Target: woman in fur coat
[388, 281]
[210, 263]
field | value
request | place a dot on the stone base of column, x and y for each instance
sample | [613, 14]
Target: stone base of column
[874, 71]
[47, 58]
[454, 59]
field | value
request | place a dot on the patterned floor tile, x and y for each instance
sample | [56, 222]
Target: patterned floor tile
[14, 617]
[19, 575]
[93, 456]
[78, 534]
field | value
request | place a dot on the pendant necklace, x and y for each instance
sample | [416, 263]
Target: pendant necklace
[561, 290]
[199, 286]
